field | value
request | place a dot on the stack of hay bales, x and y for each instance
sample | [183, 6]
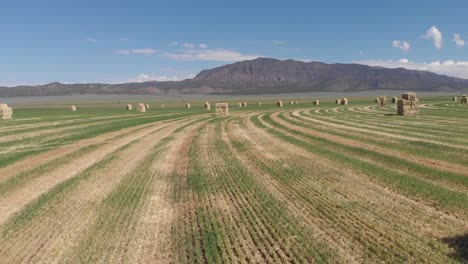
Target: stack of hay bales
[464, 99]
[73, 108]
[408, 105]
[394, 100]
[147, 106]
[316, 102]
[141, 108]
[279, 103]
[222, 108]
[455, 98]
[382, 101]
[344, 101]
[206, 106]
[6, 112]
[187, 105]
[244, 104]
[129, 107]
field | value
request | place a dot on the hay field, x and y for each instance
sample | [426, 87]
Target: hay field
[302, 183]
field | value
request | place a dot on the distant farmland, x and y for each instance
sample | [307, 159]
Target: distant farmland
[301, 183]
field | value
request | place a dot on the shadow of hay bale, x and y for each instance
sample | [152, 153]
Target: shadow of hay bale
[389, 114]
[460, 245]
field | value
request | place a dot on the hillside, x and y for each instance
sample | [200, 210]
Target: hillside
[265, 76]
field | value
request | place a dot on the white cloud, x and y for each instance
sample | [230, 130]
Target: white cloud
[187, 45]
[146, 77]
[436, 36]
[175, 43]
[279, 42]
[458, 40]
[210, 55]
[403, 60]
[91, 40]
[403, 45]
[144, 51]
[203, 46]
[449, 67]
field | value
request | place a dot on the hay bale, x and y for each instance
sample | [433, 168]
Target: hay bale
[376, 100]
[296, 102]
[382, 101]
[316, 102]
[6, 112]
[409, 106]
[129, 107]
[239, 104]
[291, 102]
[73, 108]
[455, 98]
[279, 103]
[259, 103]
[244, 104]
[187, 105]
[338, 101]
[222, 108]
[163, 106]
[394, 100]
[147, 106]
[206, 106]
[408, 96]
[141, 108]
[464, 99]
[344, 101]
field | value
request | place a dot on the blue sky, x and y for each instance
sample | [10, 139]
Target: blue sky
[120, 41]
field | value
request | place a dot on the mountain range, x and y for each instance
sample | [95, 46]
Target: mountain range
[265, 76]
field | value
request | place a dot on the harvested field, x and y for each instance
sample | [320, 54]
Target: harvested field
[300, 183]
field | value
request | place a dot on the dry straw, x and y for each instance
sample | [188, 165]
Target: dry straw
[408, 105]
[344, 101]
[279, 103]
[222, 108]
[129, 107]
[206, 106]
[316, 102]
[464, 99]
[187, 105]
[73, 108]
[6, 112]
[141, 108]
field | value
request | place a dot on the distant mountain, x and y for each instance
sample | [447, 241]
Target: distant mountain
[266, 76]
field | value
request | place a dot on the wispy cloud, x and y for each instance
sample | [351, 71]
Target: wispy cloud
[187, 45]
[403, 45]
[449, 67]
[146, 77]
[91, 40]
[143, 51]
[436, 36]
[203, 46]
[210, 55]
[458, 40]
[279, 42]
